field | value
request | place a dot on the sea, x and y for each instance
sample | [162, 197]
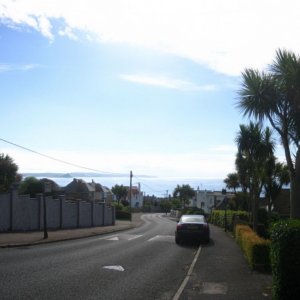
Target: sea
[157, 186]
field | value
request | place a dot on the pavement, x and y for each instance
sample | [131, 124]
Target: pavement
[16, 239]
[223, 275]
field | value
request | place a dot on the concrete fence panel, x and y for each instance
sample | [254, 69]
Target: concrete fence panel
[5, 212]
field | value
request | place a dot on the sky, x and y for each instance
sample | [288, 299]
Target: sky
[144, 85]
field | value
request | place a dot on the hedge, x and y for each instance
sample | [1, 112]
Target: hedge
[123, 215]
[217, 217]
[285, 259]
[255, 248]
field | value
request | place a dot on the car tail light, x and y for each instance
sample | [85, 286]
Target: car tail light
[179, 226]
[205, 226]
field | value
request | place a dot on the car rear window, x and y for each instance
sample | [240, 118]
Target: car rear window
[192, 219]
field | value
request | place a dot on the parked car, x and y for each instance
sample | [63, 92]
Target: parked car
[193, 228]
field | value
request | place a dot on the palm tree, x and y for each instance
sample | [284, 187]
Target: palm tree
[254, 147]
[275, 97]
[232, 181]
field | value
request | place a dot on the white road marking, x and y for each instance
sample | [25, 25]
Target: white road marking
[162, 238]
[114, 268]
[127, 237]
[186, 279]
[113, 239]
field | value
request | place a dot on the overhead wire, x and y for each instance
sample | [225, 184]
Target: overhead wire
[77, 165]
[57, 159]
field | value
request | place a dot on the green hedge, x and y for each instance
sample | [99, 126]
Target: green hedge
[217, 217]
[255, 248]
[123, 215]
[285, 259]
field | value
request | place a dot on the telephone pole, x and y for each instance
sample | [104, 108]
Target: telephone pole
[130, 192]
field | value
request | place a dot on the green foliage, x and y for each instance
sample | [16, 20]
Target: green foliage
[8, 172]
[285, 259]
[31, 186]
[217, 217]
[184, 193]
[120, 191]
[165, 205]
[193, 211]
[123, 215]
[255, 248]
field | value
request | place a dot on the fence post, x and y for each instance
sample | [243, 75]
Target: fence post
[61, 204]
[78, 213]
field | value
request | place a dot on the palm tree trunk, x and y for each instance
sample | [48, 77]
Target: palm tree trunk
[294, 178]
[295, 190]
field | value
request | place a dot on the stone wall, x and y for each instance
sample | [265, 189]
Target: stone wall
[22, 213]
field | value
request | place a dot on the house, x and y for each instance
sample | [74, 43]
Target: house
[137, 197]
[79, 189]
[208, 200]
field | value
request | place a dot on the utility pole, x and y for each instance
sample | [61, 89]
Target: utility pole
[130, 192]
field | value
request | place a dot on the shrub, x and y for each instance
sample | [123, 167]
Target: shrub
[285, 259]
[123, 215]
[255, 248]
[232, 216]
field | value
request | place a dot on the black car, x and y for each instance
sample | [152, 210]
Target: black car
[193, 228]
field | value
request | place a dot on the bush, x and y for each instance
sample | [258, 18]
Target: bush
[285, 259]
[232, 216]
[255, 248]
[123, 215]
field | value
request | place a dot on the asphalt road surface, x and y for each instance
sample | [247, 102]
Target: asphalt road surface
[141, 263]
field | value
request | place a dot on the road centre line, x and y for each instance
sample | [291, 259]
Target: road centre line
[187, 277]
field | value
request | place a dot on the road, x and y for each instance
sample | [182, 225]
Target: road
[141, 263]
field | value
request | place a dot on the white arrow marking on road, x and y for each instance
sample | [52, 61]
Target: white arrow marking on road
[115, 268]
[113, 239]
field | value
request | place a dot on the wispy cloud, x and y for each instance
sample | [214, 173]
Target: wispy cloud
[226, 37]
[10, 67]
[166, 82]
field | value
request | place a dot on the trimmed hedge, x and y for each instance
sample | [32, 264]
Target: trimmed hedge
[123, 215]
[255, 248]
[285, 259]
[217, 217]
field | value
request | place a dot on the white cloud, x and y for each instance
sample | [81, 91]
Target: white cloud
[226, 36]
[8, 67]
[166, 82]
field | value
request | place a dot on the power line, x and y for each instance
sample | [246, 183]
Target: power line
[56, 159]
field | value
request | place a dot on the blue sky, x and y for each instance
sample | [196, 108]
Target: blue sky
[147, 86]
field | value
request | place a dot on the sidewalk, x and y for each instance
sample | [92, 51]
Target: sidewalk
[225, 274]
[36, 237]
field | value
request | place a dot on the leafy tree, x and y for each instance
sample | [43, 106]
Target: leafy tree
[121, 192]
[8, 172]
[31, 186]
[184, 193]
[232, 181]
[274, 96]
[165, 205]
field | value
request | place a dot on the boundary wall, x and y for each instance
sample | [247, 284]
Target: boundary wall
[22, 213]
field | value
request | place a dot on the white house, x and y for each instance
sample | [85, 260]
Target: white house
[207, 200]
[137, 197]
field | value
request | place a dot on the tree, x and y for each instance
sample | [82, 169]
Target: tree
[254, 147]
[232, 181]
[121, 192]
[31, 186]
[276, 175]
[184, 193]
[8, 172]
[275, 96]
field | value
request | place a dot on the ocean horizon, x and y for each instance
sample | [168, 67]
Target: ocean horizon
[157, 186]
